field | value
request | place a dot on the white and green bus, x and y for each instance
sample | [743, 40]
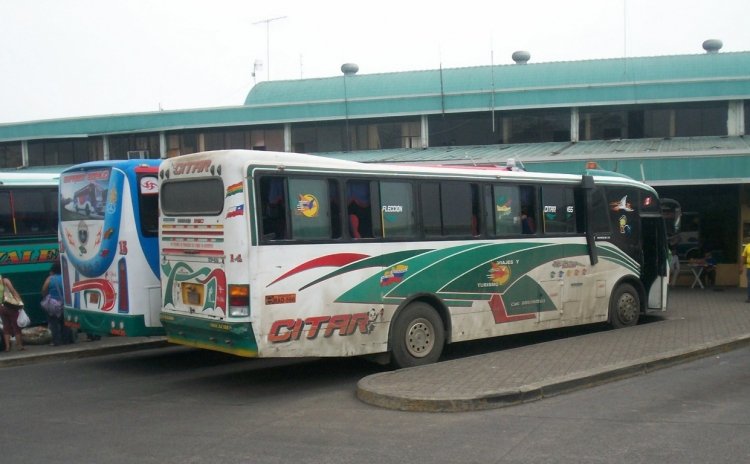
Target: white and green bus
[267, 254]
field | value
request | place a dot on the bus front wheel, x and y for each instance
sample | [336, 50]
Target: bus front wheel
[418, 336]
[624, 307]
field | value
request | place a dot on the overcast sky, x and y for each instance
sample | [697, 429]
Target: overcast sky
[70, 58]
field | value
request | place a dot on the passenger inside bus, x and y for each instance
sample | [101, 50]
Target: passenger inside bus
[274, 213]
[528, 200]
[359, 209]
[527, 222]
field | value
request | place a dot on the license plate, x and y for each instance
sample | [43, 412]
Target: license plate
[192, 294]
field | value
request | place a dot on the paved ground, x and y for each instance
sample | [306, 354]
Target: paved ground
[697, 323]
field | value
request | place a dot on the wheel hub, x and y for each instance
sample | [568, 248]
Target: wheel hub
[420, 338]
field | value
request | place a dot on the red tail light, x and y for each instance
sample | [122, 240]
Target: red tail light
[239, 300]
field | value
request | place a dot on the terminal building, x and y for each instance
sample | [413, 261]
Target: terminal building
[677, 123]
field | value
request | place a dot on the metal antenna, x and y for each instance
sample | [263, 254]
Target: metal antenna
[268, 42]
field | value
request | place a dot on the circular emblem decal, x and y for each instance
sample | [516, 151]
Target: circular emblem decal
[307, 205]
[499, 273]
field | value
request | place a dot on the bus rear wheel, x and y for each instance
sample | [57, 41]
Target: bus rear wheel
[418, 336]
[624, 307]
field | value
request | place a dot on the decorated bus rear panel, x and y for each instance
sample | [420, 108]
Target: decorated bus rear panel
[108, 235]
[248, 271]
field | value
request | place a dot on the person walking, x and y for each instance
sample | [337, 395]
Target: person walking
[9, 315]
[745, 265]
[53, 305]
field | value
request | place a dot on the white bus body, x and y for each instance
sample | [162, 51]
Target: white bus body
[260, 257]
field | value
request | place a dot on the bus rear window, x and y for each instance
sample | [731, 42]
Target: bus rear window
[195, 197]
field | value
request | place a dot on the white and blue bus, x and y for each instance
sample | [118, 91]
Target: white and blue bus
[109, 251]
[276, 254]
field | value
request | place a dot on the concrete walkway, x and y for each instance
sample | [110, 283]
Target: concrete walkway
[82, 348]
[697, 323]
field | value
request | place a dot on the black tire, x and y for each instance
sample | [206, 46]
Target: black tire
[624, 307]
[417, 336]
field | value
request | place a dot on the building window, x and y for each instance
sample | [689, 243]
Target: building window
[58, 152]
[10, 155]
[363, 135]
[654, 121]
[509, 127]
[134, 146]
[448, 130]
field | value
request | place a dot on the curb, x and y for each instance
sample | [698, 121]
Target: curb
[366, 390]
[77, 353]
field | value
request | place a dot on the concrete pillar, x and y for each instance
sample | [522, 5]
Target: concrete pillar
[574, 122]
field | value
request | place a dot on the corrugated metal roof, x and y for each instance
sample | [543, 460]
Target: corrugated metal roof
[704, 77]
[687, 160]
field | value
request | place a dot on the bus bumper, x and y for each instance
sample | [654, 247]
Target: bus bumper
[99, 323]
[236, 338]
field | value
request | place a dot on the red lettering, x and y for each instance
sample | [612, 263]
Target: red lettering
[297, 331]
[275, 335]
[73, 178]
[315, 324]
[338, 322]
[358, 320]
[285, 330]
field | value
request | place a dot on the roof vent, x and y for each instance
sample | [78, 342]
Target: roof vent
[712, 45]
[521, 57]
[349, 69]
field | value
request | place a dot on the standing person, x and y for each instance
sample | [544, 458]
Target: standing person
[9, 316]
[745, 265]
[674, 265]
[53, 287]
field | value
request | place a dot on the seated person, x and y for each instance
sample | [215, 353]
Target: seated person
[709, 270]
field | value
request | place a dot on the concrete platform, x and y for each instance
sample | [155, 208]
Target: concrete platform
[697, 323]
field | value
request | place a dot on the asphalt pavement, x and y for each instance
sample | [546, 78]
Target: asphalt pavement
[697, 323]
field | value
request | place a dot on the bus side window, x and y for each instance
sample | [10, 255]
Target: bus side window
[559, 209]
[335, 202]
[506, 209]
[6, 219]
[359, 209]
[528, 210]
[599, 212]
[273, 208]
[397, 209]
